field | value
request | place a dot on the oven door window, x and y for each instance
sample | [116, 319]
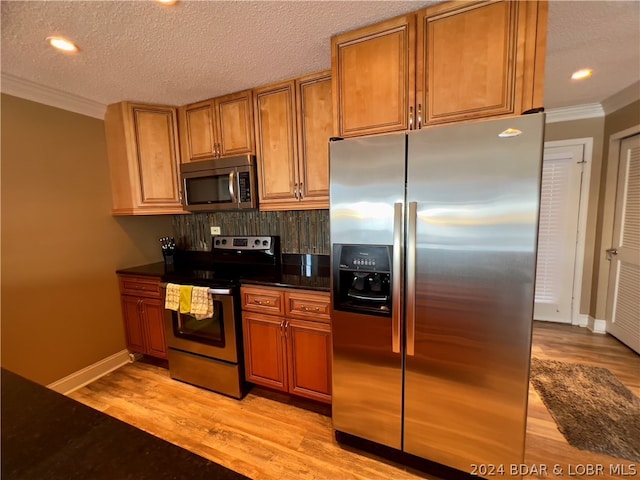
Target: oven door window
[208, 330]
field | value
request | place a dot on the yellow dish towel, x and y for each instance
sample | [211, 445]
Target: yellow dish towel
[172, 297]
[185, 298]
[201, 303]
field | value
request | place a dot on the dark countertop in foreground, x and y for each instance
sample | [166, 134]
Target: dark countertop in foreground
[148, 270]
[46, 435]
[308, 272]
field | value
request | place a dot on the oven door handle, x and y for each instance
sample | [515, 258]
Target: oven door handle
[220, 291]
[212, 291]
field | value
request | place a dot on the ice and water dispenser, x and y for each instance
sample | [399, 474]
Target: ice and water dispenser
[362, 278]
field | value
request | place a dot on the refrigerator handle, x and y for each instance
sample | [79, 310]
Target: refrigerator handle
[396, 298]
[411, 277]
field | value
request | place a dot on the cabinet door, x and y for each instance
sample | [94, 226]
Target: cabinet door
[156, 133]
[309, 354]
[276, 143]
[153, 315]
[473, 58]
[197, 131]
[373, 72]
[133, 323]
[315, 127]
[143, 159]
[265, 360]
[234, 122]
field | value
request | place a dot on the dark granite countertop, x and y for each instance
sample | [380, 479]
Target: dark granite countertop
[308, 272]
[148, 270]
[293, 277]
[46, 435]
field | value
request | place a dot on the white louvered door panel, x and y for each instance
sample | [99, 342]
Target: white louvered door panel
[558, 232]
[623, 301]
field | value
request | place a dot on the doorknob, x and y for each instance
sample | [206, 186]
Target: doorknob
[611, 252]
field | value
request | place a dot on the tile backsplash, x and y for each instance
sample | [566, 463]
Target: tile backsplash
[300, 231]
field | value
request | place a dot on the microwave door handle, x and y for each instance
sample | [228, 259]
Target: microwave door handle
[232, 186]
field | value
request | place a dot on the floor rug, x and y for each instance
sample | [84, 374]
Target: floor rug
[592, 408]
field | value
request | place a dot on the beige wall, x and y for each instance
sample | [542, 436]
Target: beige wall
[60, 309]
[586, 128]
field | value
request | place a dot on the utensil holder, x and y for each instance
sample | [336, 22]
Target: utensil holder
[169, 266]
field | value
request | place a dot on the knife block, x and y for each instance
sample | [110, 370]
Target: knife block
[169, 265]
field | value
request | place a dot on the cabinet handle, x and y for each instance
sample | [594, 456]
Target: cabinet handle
[263, 302]
[309, 309]
[419, 116]
[300, 194]
[217, 150]
[295, 190]
[282, 328]
[410, 118]
[285, 326]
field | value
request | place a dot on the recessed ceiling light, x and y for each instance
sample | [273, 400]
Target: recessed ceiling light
[581, 74]
[167, 2]
[62, 44]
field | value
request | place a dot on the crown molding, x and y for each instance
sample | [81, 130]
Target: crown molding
[19, 87]
[621, 99]
[565, 114]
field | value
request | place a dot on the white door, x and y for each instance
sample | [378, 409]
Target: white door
[558, 232]
[623, 298]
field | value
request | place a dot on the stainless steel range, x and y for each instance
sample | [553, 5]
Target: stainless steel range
[208, 352]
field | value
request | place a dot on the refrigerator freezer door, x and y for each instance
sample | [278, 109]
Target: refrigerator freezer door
[367, 181]
[477, 196]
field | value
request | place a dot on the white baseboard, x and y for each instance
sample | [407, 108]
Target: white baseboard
[597, 326]
[581, 319]
[88, 374]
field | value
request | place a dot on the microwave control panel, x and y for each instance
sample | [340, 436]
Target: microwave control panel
[244, 184]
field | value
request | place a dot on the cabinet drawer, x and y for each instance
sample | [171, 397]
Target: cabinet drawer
[308, 306]
[140, 286]
[262, 300]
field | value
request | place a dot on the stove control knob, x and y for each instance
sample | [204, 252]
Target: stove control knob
[257, 242]
[217, 242]
[264, 243]
[224, 241]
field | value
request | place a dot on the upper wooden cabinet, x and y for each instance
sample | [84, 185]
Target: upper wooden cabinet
[373, 71]
[293, 127]
[219, 127]
[469, 59]
[480, 59]
[315, 128]
[143, 159]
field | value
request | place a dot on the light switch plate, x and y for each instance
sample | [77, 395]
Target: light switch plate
[215, 230]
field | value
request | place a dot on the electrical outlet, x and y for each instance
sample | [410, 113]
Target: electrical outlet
[215, 230]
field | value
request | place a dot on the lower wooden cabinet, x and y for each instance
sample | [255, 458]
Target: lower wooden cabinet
[143, 315]
[284, 352]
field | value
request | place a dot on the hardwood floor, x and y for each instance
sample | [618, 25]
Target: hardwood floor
[267, 436]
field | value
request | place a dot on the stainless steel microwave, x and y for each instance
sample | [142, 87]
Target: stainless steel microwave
[220, 184]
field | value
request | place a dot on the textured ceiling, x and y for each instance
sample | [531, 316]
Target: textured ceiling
[142, 51]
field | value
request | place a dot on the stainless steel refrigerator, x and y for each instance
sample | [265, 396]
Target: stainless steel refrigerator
[433, 239]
